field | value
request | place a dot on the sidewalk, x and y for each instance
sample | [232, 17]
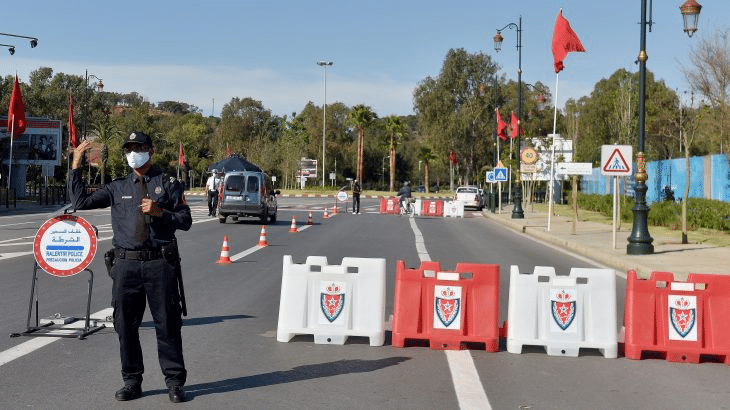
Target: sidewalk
[594, 240]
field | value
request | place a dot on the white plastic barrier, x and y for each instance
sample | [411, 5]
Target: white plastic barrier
[417, 207]
[563, 313]
[454, 209]
[333, 302]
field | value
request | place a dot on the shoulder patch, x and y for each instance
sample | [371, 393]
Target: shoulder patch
[173, 180]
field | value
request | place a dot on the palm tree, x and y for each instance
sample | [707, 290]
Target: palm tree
[426, 155]
[396, 129]
[361, 116]
[106, 134]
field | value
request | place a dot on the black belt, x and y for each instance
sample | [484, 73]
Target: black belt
[141, 255]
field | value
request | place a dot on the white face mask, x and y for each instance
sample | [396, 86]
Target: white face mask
[137, 159]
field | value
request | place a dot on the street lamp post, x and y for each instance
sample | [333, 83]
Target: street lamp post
[100, 85]
[11, 50]
[640, 242]
[517, 212]
[324, 65]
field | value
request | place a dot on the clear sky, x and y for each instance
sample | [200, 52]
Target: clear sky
[206, 52]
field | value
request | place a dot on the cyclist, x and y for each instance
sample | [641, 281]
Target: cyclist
[405, 195]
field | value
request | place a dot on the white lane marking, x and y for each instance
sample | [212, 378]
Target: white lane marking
[36, 343]
[253, 249]
[467, 384]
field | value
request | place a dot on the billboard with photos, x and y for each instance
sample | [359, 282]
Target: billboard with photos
[39, 145]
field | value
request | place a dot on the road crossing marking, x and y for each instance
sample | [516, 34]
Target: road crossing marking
[467, 384]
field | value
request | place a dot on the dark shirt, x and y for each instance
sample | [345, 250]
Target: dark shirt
[405, 192]
[123, 195]
[356, 189]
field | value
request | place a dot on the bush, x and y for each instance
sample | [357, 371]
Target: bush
[701, 213]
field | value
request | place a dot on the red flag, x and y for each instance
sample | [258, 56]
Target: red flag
[501, 127]
[181, 158]
[564, 41]
[16, 112]
[515, 124]
[73, 139]
[228, 150]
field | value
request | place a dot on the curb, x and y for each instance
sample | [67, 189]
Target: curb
[622, 265]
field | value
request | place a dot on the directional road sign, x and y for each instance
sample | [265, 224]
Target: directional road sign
[500, 174]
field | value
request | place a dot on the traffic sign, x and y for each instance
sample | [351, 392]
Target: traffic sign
[342, 196]
[500, 174]
[64, 245]
[529, 155]
[490, 177]
[574, 168]
[616, 160]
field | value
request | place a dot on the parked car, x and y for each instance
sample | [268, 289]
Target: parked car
[422, 188]
[469, 195]
[248, 193]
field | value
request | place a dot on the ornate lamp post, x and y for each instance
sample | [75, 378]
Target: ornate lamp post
[324, 65]
[100, 86]
[640, 242]
[517, 212]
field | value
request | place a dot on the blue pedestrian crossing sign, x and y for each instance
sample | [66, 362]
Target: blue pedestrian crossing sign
[500, 174]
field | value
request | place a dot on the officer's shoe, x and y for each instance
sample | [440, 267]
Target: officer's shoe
[177, 394]
[128, 392]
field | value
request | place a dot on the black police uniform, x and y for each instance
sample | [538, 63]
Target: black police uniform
[143, 267]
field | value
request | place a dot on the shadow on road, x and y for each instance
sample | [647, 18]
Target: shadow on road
[198, 321]
[299, 373]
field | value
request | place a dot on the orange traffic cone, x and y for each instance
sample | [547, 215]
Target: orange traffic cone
[309, 221]
[224, 259]
[325, 216]
[262, 237]
[334, 210]
[293, 228]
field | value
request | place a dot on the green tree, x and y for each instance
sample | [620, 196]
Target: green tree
[361, 116]
[426, 155]
[456, 109]
[395, 132]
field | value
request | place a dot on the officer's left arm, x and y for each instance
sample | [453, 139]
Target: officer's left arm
[177, 213]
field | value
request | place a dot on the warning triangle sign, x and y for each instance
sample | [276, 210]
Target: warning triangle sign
[616, 163]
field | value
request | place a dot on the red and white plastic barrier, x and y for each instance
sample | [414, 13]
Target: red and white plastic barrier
[333, 302]
[679, 320]
[389, 205]
[563, 313]
[432, 208]
[447, 308]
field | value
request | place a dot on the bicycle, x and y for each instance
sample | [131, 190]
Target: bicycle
[407, 206]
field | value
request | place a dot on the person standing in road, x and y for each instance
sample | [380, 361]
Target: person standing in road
[212, 188]
[147, 207]
[356, 197]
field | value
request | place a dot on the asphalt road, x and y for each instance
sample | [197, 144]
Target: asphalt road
[235, 361]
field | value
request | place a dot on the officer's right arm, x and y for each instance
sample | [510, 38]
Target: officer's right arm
[80, 199]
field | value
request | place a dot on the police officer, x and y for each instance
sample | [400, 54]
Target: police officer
[356, 197]
[147, 207]
[212, 187]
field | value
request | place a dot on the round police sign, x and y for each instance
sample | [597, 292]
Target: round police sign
[65, 245]
[342, 196]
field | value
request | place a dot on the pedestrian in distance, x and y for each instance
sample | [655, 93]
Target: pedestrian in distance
[147, 207]
[211, 187]
[356, 197]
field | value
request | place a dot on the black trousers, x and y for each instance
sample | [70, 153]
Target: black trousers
[155, 281]
[355, 203]
[212, 201]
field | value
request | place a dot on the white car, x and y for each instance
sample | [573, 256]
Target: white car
[469, 195]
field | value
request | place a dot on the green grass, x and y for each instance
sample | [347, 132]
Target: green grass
[699, 235]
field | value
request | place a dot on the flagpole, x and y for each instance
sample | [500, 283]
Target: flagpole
[552, 154]
[10, 162]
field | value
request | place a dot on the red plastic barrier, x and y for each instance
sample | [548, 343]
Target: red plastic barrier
[432, 208]
[447, 308]
[390, 205]
[681, 321]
